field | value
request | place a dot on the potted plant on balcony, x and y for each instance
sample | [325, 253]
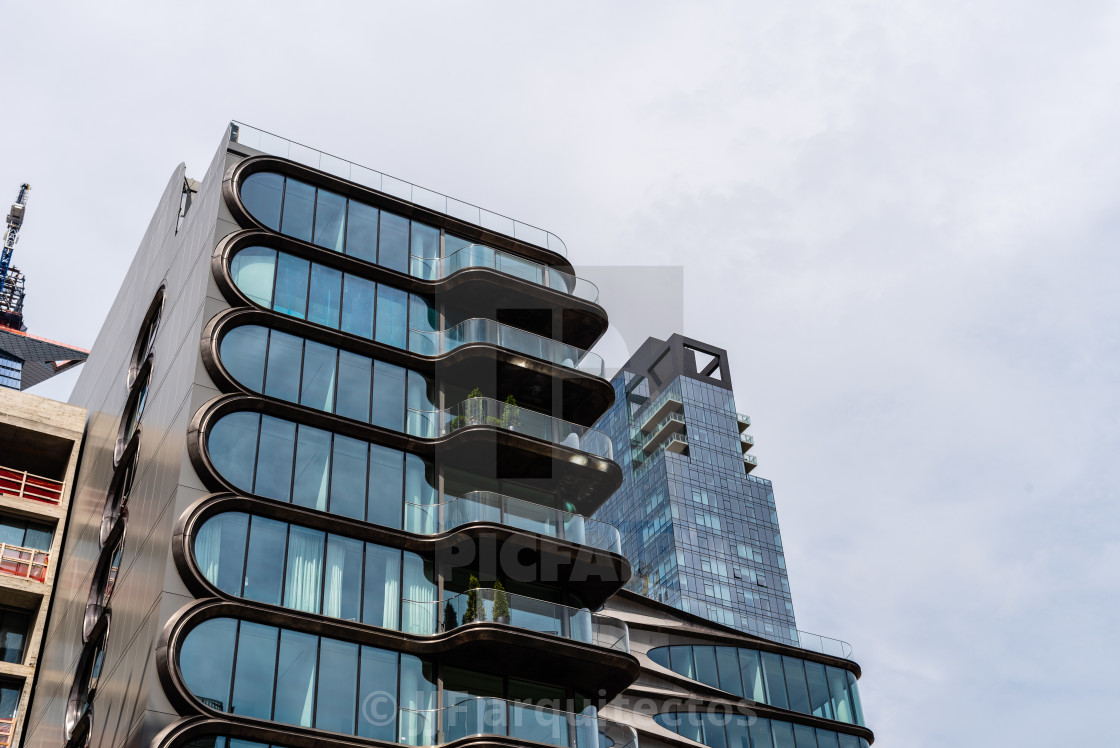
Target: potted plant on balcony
[475, 611]
[450, 620]
[501, 604]
[511, 414]
[470, 413]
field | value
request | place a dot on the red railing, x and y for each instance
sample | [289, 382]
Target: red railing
[29, 563]
[7, 728]
[28, 486]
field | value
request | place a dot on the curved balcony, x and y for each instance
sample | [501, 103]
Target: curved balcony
[481, 605]
[481, 256]
[487, 506]
[518, 720]
[482, 411]
[515, 339]
[472, 214]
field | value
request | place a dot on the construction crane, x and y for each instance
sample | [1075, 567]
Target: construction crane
[11, 281]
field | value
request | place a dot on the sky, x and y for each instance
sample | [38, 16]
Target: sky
[901, 220]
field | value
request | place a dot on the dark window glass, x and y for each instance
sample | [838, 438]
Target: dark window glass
[681, 661]
[318, 376]
[355, 380]
[299, 210]
[338, 693]
[330, 220]
[206, 661]
[342, 587]
[775, 681]
[377, 695]
[295, 682]
[312, 469]
[760, 733]
[838, 685]
[660, 655]
[357, 306]
[253, 270]
[303, 577]
[232, 446]
[853, 694]
[264, 567]
[729, 678]
[819, 703]
[219, 550]
[388, 396]
[386, 481]
[848, 741]
[274, 459]
[804, 736]
[422, 319]
[291, 286]
[255, 670]
[706, 665]
[348, 477]
[783, 735]
[326, 296]
[424, 242]
[381, 598]
[285, 355]
[361, 232]
[14, 626]
[827, 739]
[393, 246]
[243, 352]
[261, 193]
[737, 736]
[795, 685]
[392, 316]
[419, 484]
[753, 687]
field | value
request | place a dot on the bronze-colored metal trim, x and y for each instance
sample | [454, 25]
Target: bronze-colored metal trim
[237, 173]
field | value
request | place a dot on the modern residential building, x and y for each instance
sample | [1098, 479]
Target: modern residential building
[39, 444]
[336, 491]
[700, 529]
[337, 477]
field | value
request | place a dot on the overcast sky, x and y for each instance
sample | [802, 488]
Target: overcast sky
[901, 219]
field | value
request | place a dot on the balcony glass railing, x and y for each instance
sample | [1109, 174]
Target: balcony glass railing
[27, 486]
[278, 146]
[480, 330]
[649, 439]
[744, 421]
[485, 506]
[670, 398]
[518, 720]
[29, 563]
[481, 256]
[482, 411]
[479, 605]
[822, 644]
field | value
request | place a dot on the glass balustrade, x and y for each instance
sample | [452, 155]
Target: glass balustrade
[485, 604]
[518, 720]
[486, 506]
[477, 330]
[278, 146]
[481, 256]
[482, 411]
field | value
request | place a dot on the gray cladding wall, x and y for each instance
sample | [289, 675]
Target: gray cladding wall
[129, 706]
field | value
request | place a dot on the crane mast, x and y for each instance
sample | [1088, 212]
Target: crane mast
[11, 281]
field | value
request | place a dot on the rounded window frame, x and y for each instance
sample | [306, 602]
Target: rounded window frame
[146, 338]
[120, 489]
[141, 388]
[97, 602]
[79, 703]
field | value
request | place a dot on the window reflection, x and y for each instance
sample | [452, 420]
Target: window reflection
[313, 468]
[767, 678]
[720, 730]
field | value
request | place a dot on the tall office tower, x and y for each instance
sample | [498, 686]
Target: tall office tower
[701, 531]
[39, 444]
[336, 478]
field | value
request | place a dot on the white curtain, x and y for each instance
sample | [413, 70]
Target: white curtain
[332, 585]
[207, 549]
[305, 568]
[420, 613]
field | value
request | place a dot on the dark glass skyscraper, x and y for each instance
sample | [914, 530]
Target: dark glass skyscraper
[701, 531]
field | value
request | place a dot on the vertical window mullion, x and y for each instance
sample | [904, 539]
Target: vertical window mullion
[276, 659]
[292, 475]
[233, 667]
[245, 558]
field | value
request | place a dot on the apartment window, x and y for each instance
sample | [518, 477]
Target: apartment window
[15, 626]
[23, 533]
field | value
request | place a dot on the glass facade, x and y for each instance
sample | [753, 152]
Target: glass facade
[768, 678]
[14, 628]
[701, 533]
[11, 371]
[719, 730]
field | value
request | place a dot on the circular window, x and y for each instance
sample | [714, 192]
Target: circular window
[147, 336]
[133, 411]
[116, 502]
[86, 675]
[104, 578]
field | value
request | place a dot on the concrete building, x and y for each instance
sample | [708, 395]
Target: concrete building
[40, 440]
